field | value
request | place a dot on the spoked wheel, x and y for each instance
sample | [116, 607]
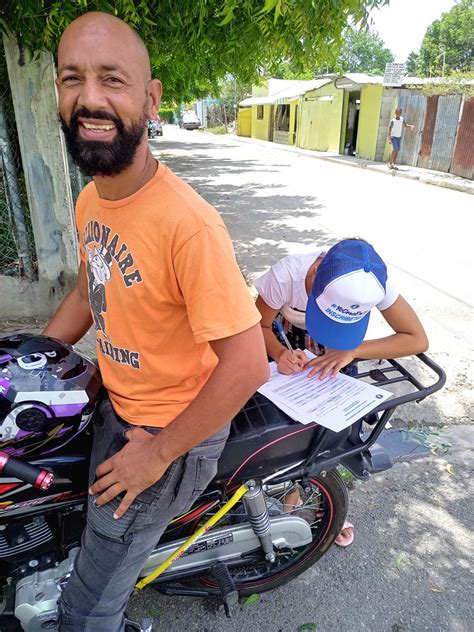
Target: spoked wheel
[324, 507]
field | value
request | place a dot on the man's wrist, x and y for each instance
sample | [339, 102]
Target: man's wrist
[164, 449]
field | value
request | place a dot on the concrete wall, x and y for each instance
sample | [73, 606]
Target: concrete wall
[48, 187]
[321, 119]
[369, 118]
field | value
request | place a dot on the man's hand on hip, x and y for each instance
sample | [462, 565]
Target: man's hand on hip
[133, 469]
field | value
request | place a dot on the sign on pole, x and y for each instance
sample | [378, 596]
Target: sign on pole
[394, 74]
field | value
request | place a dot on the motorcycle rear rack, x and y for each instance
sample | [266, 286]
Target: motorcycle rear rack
[355, 453]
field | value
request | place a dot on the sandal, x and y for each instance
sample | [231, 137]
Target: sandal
[344, 540]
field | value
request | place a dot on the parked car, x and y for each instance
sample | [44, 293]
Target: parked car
[190, 121]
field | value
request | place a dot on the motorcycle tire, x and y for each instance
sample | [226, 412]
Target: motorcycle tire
[331, 513]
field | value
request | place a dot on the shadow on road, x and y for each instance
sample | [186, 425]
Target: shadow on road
[261, 218]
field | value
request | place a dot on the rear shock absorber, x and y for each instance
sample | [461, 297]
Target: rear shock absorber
[257, 512]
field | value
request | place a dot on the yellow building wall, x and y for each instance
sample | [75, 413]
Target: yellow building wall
[320, 120]
[369, 115]
[261, 127]
[244, 122]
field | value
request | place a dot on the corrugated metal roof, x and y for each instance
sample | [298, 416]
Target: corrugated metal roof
[287, 94]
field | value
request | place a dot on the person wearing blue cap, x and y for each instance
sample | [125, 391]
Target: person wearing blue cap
[323, 301]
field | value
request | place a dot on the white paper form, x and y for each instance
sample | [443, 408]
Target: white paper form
[335, 402]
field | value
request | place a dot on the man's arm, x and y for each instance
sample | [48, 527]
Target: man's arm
[242, 368]
[411, 127]
[73, 317]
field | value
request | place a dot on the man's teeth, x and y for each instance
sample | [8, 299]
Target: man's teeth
[104, 126]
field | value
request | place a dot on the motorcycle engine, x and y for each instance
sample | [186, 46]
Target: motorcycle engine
[37, 595]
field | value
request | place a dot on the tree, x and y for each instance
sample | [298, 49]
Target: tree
[195, 44]
[359, 51]
[448, 42]
[363, 51]
[411, 63]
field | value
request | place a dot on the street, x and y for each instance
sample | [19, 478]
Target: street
[275, 202]
[410, 565]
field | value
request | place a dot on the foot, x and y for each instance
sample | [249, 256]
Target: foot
[346, 535]
[390, 166]
[394, 167]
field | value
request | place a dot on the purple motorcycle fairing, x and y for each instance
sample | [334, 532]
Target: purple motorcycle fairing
[47, 394]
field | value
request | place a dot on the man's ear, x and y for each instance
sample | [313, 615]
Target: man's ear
[154, 97]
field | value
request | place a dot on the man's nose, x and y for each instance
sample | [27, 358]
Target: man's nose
[91, 95]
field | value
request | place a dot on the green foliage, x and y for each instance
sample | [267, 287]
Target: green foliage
[411, 62]
[363, 51]
[231, 91]
[220, 129]
[195, 44]
[448, 42]
[358, 51]
[167, 114]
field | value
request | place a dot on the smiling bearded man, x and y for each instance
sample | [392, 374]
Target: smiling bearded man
[177, 336]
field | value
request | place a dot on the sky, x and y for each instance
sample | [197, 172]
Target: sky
[403, 23]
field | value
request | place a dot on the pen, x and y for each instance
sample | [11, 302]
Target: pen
[283, 335]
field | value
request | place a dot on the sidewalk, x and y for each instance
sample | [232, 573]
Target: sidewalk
[426, 176]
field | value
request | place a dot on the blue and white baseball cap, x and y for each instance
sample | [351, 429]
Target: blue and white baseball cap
[349, 282]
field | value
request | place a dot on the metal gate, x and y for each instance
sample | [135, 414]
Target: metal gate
[445, 130]
[413, 111]
[424, 159]
[463, 158]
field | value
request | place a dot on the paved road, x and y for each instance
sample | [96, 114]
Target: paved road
[409, 569]
[275, 202]
[410, 566]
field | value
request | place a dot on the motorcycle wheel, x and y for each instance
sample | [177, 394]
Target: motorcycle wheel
[328, 500]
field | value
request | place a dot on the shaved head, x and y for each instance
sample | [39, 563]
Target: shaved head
[106, 94]
[105, 30]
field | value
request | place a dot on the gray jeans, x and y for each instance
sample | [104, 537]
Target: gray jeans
[113, 551]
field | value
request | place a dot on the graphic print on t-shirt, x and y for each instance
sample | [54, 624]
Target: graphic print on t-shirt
[106, 257]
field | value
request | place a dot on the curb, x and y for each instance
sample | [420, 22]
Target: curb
[467, 187]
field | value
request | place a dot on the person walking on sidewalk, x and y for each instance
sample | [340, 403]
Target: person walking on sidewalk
[178, 339]
[394, 137]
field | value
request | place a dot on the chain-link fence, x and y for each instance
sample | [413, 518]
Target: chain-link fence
[17, 252]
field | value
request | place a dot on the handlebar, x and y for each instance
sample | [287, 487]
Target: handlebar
[12, 466]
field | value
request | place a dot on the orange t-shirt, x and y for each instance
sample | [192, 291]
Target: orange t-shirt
[163, 282]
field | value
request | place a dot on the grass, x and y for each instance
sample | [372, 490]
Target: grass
[220, 129]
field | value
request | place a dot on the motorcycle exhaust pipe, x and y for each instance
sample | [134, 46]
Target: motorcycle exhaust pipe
[257, 513]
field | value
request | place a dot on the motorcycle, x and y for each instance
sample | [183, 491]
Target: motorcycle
[47, 396]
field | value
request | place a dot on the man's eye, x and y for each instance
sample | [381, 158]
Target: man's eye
[70, 79]
[113, 80]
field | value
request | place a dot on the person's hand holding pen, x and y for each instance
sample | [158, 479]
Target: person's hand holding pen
[290, 360]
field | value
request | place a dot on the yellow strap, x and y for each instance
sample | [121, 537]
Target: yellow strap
[197, 534]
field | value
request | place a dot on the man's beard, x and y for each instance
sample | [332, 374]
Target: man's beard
[102, 158]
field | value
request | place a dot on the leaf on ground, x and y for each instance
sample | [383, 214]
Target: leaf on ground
[399, 559]
[310, 627]
[436, 590]
[449, 468]
[251, 599]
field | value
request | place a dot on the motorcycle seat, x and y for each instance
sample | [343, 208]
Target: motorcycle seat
[261, 438]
